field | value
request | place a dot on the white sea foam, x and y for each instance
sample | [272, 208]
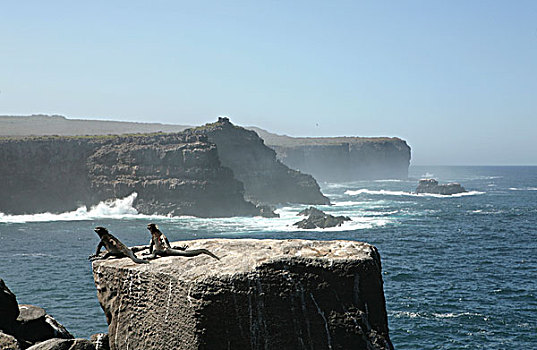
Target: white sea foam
[399, 314]
[389, 180]
[409, 314]
[523, 189]
[347, 203]
[123, 209]
[120, 208]
[455, 315]
[411, 194]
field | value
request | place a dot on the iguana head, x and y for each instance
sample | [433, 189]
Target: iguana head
[101, 231]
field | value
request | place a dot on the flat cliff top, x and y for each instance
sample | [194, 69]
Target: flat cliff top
[289, 141]
[243, 256]
[59, 125]
[38, 125]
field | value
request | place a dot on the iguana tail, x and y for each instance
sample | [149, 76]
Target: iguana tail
[191, 252]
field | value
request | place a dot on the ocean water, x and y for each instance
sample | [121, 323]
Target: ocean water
[459, 271]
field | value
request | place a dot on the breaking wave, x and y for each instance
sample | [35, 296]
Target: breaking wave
[120, 208]
[410, 194]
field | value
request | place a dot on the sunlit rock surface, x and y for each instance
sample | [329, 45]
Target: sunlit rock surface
[262, 294]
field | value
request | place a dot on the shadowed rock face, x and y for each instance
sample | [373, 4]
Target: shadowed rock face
[266, 179]
[177, 174]
[262, 294]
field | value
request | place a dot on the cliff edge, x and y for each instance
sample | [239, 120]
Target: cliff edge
[266, 180]
[262, 294]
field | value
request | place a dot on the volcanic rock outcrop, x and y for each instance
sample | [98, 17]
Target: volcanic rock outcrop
[432, 186]
[266, 180]
[217, 170]
[177, 174]
[319, 219]
[262, 294]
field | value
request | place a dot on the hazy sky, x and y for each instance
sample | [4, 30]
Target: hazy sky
[456, 79]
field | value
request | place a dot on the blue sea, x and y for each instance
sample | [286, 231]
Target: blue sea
[460, 272]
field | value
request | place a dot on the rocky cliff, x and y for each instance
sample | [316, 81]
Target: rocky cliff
[342, 158]
[266, 180]
[177, 174]
[262, 294]
[326, 158]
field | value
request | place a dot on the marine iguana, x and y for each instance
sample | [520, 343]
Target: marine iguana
[113, 246]
[160, 246]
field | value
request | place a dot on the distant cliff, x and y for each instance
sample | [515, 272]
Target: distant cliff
[40, 125]
[266, 180]
[177, 174]
[342, 158]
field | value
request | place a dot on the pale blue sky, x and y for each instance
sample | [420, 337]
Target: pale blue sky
[456, 79]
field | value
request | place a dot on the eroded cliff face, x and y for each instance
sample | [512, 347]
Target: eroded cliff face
[177, 174]
[342, 158]
[262, 294]
[266, 179]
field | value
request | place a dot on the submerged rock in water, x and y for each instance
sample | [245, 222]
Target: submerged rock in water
[319, 219]
[262, 294]
[432, 186]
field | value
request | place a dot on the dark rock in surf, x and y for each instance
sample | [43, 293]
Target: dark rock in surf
[432, 186]
[262, 294]
[267, 211]
[319, 219]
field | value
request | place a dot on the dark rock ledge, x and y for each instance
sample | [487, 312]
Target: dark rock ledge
[262, 294]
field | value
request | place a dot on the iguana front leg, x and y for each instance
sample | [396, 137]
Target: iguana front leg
[97, 252]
